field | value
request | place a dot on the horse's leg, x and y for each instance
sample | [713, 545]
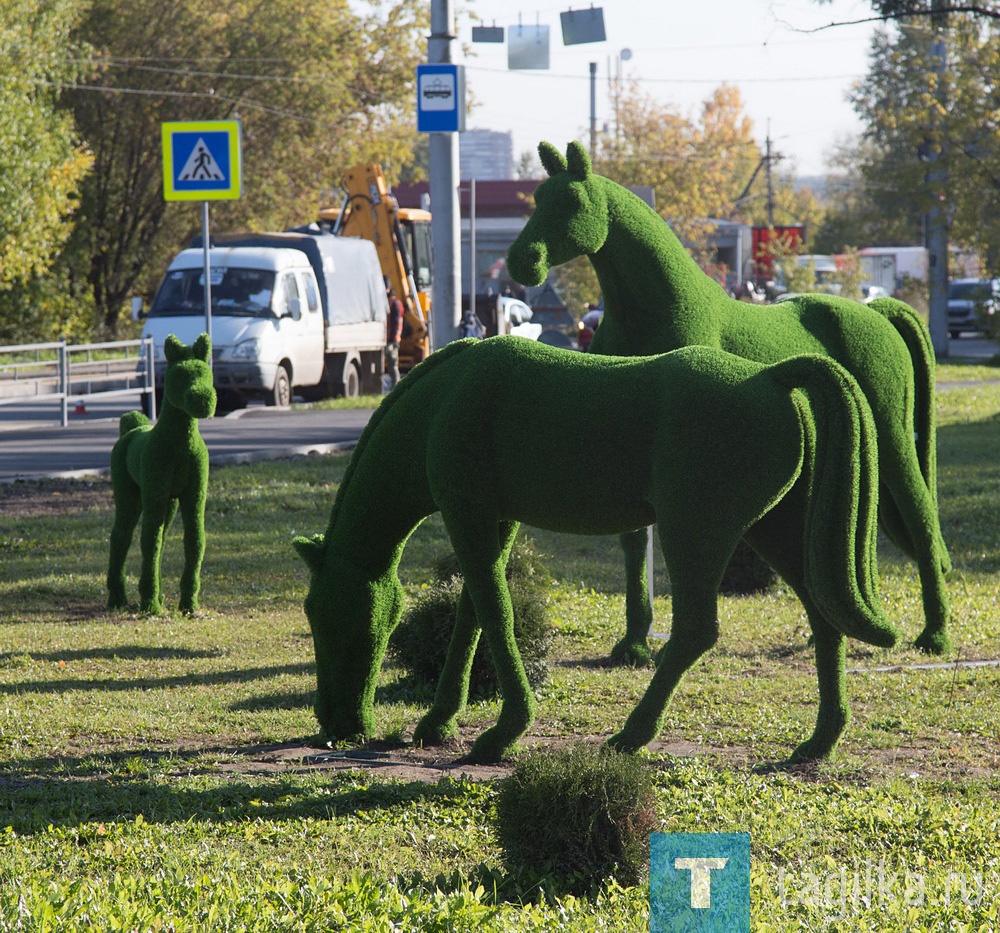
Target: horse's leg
[777, 537]
[900, 471]
[633, 649]
[482, 549]
[438, 724]
[192, 507]
[128, 507]
[693, 632]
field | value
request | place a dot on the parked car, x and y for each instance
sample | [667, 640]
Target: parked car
[971, 303]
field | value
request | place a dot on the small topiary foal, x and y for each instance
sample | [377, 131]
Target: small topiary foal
[657, 299]
[155, 468]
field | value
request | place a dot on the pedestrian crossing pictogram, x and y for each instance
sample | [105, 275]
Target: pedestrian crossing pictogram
[201, 165]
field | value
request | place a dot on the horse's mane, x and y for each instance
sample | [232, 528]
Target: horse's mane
[402, 387]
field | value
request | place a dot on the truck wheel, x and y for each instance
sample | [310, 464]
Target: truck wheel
[281, 395]
[352, 381]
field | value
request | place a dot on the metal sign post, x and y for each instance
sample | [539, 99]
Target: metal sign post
[203, 161]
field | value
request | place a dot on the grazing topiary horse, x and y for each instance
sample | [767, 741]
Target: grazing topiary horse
[155, 468]
[710, 446]
[657, 299]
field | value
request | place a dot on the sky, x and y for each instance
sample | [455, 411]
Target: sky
[793, 82]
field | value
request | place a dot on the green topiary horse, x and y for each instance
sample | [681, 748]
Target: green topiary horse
[657, 299]
[155, 468]
[710, 446]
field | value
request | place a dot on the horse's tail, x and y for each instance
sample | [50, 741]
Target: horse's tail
[916, 336]
[841, 465]
[130, 421]
[401, 388]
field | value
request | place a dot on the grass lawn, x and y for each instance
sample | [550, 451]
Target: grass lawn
[165, 773]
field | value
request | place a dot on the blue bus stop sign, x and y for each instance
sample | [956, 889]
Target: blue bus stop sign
[202, 161]
[440, 98]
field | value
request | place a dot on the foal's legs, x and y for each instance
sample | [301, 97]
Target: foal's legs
[128, 507]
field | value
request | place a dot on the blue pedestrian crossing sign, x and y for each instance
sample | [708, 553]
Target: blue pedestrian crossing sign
[202, 161]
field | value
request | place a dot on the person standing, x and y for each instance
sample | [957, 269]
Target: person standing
[393, 335]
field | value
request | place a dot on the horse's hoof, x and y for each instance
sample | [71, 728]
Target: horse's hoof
[430, 734]
[488, 753]
[620, 742]
[630, 654]
[811, 750]
[932, 642]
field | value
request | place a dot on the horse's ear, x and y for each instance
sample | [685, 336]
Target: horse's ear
[577, 160]
[310, 550]
[202, 347]
[552, 159]
[173, 349]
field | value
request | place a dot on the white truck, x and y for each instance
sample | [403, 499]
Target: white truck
[291, 313]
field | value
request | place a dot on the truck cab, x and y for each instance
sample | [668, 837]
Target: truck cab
[266, 320]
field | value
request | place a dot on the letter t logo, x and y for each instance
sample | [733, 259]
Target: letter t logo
[701, 877]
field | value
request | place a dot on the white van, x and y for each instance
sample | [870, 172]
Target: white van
[290, 313]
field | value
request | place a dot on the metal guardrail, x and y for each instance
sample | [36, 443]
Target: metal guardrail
[60, 371]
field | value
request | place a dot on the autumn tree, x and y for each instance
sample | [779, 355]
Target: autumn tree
[41, 158]
[317, 88]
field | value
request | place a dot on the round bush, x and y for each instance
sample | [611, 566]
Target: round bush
[581, 814]
[420, 641]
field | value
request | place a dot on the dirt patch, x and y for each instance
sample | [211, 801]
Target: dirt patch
[34, 498]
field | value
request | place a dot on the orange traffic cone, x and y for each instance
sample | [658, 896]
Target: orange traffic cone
[80, 409]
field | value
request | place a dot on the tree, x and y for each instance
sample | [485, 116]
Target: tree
[910, 120]
[41, 159]
[697, 168]
[922, 9]
[317, 87]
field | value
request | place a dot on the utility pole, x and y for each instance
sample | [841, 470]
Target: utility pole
[770, 180]
[446, 231]
[935, 154]
[593, 109]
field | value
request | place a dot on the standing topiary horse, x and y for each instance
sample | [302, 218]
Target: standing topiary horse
[155, 468]
[710, 446]
[656, 299]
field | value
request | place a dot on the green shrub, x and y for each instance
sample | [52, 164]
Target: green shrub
[582, 815]
[420, 642]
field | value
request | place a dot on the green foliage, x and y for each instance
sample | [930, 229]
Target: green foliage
[41, 161]
[918, 121]
[582, 814]
[316, 87]
[420, 641]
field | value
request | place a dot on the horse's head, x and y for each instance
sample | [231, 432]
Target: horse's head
[188, 381]
[570, 218]
[351, 617]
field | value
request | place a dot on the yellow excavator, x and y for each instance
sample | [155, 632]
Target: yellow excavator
[402, 238]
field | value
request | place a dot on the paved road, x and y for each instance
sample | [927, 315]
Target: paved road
[34, 445]
[30, 449]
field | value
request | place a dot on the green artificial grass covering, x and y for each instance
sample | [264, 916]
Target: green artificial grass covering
[157, 468]
[710, 446]
[657, 299]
